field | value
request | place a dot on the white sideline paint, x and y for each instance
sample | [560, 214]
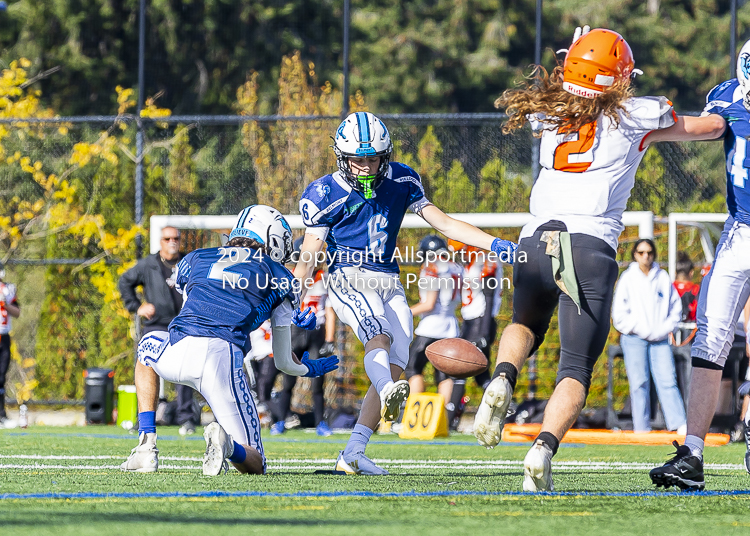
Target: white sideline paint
[326, 463]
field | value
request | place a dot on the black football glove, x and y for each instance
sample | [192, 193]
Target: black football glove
[327, 349]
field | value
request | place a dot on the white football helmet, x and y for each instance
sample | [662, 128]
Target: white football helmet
[743, 73]
[266, 225]
[361, 135]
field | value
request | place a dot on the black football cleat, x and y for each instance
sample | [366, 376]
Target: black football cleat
[747, 442]
[684, 471]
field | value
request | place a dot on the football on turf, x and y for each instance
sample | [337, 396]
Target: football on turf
[457, 358]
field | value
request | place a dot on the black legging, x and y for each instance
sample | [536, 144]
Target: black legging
[4, 364]
[535, 296]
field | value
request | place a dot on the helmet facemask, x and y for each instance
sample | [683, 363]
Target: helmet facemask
[743, 73]
[363, 183]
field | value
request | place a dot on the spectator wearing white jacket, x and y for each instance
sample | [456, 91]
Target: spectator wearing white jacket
[646, 309]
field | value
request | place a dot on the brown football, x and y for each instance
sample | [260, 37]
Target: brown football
[457, 357]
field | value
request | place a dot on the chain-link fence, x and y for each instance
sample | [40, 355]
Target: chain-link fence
[68, 189]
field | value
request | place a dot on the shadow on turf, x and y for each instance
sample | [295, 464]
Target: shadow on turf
[45, 517]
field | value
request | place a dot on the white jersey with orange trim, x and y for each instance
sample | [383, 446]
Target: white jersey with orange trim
[261, 341]
[446, 278]
[586, 176]
[476, 282]
[8, 292]
[317, 298]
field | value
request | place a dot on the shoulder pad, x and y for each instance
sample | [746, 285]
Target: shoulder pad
[320, 200]
[648, 113]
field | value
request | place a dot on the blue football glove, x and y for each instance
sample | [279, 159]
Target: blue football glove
[304, 319]
[318, 367]
[507, 248]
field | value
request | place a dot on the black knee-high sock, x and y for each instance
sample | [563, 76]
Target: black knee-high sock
[548, 439]
[511, 373]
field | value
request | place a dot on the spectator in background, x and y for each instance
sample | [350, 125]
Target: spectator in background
[686, 288]
[683, 337]
[8, 308]
[439, 295]
[261, 370]
[159, 306]
[646, 309]
[480, 304]
[318, 342]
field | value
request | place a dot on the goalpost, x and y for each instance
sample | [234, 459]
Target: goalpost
[644, 220]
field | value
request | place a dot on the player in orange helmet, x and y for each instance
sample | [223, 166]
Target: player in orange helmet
[594, 133]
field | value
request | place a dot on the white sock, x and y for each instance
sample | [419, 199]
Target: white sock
[378, 368]
[358, 440]
[696, 445]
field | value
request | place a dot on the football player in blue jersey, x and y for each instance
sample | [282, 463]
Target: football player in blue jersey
[228, 292]
[724, 290]
[357, 211]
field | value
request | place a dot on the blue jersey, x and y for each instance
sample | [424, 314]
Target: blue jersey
[362, 232]
[726, 100]
[230, 292]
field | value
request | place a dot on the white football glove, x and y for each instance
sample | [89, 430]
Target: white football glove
[580, 32]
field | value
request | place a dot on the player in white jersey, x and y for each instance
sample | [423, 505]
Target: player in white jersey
[317, 341]
[261, 370]
[480, 304]
[594, 133]
[440, 281]
[357, 211]
[9, 308]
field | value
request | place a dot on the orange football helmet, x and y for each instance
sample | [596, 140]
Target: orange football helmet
[595, 62]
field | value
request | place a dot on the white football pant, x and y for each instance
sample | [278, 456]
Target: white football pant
[723, 294]
[213, 367]
[373, 303]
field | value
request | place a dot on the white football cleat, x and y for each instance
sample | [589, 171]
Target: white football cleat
[537, 468]
[219, 447]
[488, 423]
[357, 464]
[391, 398]
[145, 457]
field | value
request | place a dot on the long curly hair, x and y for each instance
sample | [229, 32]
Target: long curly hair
[544, 93]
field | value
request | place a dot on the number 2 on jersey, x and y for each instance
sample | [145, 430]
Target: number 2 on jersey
[571, 155]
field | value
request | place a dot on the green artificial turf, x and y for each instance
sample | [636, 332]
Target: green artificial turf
[456, 497]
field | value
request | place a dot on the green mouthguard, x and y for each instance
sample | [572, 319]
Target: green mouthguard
[366, 181]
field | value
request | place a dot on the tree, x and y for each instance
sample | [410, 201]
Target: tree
[287, 155]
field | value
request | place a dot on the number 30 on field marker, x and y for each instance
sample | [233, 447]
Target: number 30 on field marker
[425, 417]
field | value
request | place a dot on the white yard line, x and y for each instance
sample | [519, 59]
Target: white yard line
[327, 463]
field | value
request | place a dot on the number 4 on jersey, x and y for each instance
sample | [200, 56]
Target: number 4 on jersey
[740, 162]
[575, 156]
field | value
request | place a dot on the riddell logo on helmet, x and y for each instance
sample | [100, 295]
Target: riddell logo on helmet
[580, 91]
